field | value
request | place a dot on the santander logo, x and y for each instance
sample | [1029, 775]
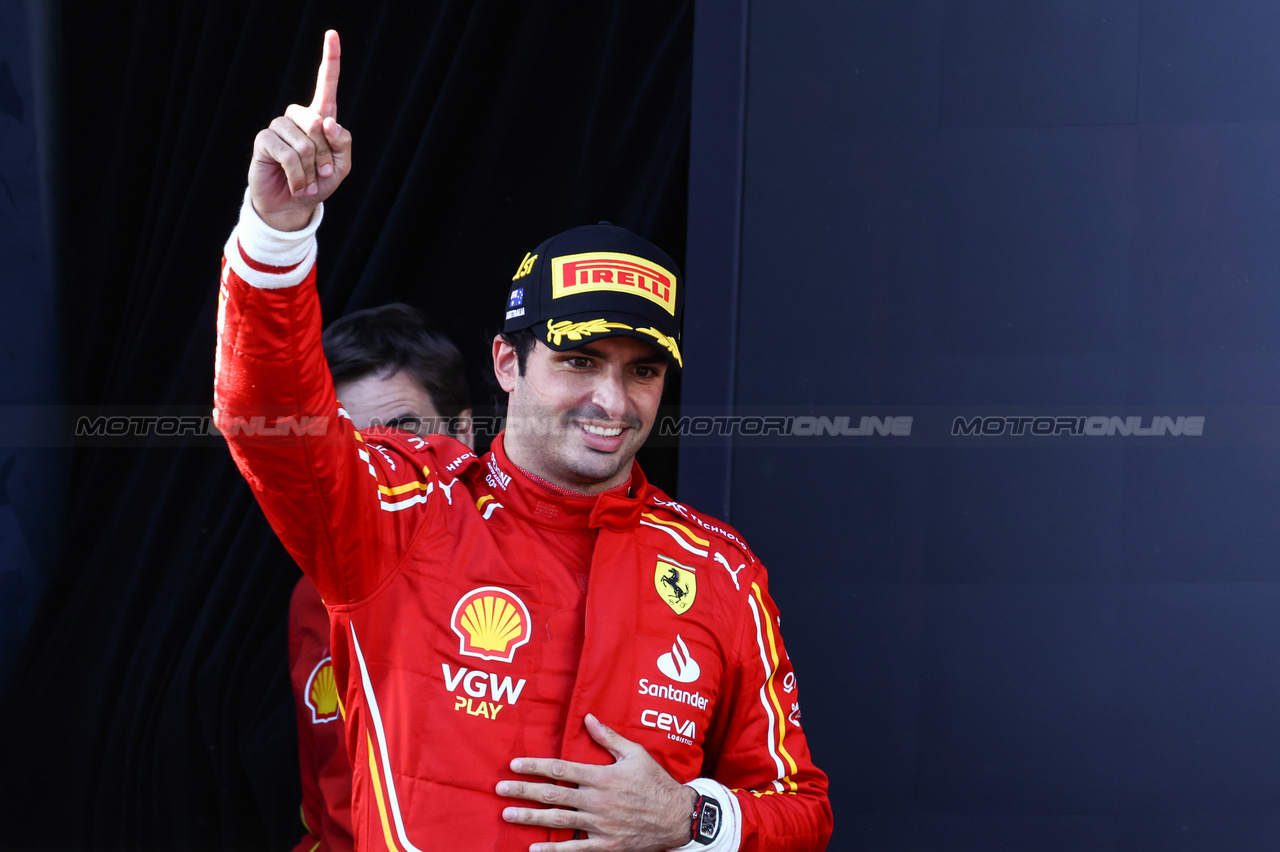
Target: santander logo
[679, 665]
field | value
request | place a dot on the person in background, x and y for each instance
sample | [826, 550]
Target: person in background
[388, 369]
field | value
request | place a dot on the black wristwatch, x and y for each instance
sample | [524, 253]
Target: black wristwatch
[705, 824]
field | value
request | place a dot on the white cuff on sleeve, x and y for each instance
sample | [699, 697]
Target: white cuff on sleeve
[729, 838]
[266, 258]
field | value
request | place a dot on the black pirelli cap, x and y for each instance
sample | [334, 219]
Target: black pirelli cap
[598, 281]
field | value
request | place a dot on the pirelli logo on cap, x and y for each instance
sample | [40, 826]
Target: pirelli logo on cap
[608, 270]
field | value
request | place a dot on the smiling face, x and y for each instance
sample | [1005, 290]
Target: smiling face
[576, 418]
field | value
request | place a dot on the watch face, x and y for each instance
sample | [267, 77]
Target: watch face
[708, 821]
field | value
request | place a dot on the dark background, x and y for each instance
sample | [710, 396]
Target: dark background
[1013, 206]
[928, 208]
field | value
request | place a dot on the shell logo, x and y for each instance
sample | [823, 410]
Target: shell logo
[491, 623]
[321, 694]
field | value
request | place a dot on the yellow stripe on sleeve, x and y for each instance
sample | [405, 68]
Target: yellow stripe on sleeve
[702, 541]
[773, 694]
[400, 489]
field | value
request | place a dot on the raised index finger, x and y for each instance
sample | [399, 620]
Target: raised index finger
[326, 100]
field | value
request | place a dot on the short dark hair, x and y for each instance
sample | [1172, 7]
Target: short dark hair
[521, 340]
[395, 337]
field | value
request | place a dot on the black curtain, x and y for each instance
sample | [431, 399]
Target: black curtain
[151, 705]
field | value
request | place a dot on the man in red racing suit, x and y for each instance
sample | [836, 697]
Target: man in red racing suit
[486, 620]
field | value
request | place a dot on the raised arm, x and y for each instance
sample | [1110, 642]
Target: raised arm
[318, 483]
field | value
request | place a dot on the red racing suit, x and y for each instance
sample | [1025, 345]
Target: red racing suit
[478, 616]
[322, 750]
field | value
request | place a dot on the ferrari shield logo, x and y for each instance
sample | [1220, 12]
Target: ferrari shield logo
[676, 584]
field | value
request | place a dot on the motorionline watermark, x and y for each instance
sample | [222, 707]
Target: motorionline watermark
[798, 426]
[950, 426]
[145, 426]
[262, 425]
[1093, 426]
[668, 428]
[673, 426]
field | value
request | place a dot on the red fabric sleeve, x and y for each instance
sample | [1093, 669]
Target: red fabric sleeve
[764, 757]
[321, 487]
